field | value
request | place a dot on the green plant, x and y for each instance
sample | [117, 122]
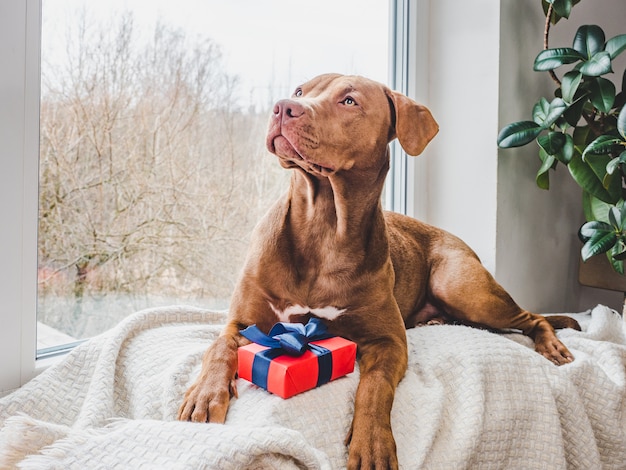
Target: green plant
[600, 237]
[584, 128]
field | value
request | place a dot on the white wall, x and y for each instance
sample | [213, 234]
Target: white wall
[479, 78]
[460, 164]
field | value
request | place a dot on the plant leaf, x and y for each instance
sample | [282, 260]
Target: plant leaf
[593, 228]
[612, 183]
[602, 94]
[555, 111]
[552, 143]
[542, 180]
[563, 7]
[601, 242]
[618, 252]
[595, 209]
[582, 137]
[615, 163]
[549, 59]
[612, 166]
[601, 145]
[518, 134]
[598, 65]
[573, 114]
[541, 110]
[622, 208]
[587, 179]
[617, 255]
[545, 114]
[615, 218]
[567, 152]
[621, 122]
[617, 264]
[569, 85]
[543, 176]
[615, 46]
[589, 40]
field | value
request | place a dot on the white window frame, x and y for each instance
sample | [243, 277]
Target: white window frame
[20, 33]
[20, 46]
[409, 33]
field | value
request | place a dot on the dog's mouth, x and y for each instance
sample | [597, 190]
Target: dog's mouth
[291, 156]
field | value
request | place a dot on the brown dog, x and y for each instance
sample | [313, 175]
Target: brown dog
[327, 249]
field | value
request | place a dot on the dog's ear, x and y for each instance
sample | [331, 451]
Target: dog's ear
[411, 123]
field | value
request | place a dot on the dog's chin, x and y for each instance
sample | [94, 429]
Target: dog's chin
[317, 170]
[291, 158]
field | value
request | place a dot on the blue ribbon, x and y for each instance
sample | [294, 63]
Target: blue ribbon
[292, 339]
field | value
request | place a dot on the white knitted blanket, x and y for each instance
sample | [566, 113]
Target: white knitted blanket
[470, 399]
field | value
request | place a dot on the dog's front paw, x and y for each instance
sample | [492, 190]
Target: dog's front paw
[207, 402]
[552, 349]
[372, 448]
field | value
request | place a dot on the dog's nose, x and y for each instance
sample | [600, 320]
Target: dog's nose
[288, 109]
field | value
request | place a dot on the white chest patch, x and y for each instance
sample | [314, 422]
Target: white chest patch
[327, 313]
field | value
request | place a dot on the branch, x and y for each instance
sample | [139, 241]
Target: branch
[546, 35]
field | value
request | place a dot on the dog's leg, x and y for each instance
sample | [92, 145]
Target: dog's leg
[382, 364]
[208, 398]
[468, 292]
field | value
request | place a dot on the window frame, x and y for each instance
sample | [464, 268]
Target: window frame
[19, 137]
[20, 48]
[409, 45]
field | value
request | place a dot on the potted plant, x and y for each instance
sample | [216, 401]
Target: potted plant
[583, 128]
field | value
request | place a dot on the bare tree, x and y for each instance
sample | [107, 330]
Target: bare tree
[151, 176]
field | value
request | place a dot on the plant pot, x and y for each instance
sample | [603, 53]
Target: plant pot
[597, 272]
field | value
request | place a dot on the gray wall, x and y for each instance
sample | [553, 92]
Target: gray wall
[537, 248]
[479, 78]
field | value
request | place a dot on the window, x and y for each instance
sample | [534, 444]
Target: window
[278, 72]
[153, 169]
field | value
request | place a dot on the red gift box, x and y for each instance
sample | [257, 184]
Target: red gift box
[286, 375]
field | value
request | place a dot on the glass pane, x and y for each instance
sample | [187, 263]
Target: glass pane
[153, 167]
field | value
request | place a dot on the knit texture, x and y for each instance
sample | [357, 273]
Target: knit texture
[470, 399]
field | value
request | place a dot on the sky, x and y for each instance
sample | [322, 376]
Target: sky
[268, 44]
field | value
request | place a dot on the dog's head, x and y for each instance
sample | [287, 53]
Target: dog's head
[339, 122]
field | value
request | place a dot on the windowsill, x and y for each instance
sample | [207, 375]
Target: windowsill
[44, 363]
[49, 337]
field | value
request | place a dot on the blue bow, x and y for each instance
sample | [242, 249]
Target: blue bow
[291, 338]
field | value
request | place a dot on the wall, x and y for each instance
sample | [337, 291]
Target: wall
[460, 186]
[536, 237]
[479, 78]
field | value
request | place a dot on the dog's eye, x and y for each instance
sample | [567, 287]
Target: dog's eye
[349, 101]
[298, 93]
